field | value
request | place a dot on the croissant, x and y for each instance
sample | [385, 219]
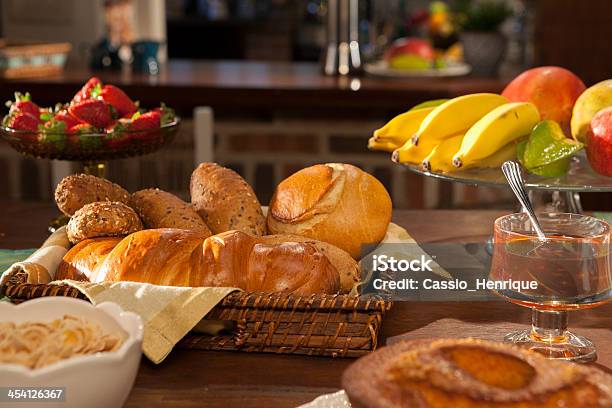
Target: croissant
[176, 257]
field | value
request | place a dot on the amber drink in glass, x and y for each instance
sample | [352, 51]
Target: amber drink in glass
[569, 270]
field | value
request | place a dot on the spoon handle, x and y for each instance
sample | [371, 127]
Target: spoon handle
[512, 171]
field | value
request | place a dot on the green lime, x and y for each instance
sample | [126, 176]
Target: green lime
[429, 104]
[554, 169]
[547, 144]
[440, 63]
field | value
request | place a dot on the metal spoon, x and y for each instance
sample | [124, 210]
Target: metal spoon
[512, 171]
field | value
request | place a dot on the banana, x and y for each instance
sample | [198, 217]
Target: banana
[382, 146]
[508, 152]
[441, 157]
[456, 116]
[398, 130]
[412, 153]
[495, 130]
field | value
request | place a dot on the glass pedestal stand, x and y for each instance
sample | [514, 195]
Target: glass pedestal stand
[549, 336]
[92, 149]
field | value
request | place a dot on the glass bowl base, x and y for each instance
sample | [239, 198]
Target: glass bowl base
[569, 347]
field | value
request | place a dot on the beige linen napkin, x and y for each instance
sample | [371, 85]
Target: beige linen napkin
[168, 312]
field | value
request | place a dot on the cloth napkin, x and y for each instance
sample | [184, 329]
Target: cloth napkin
[40, 267]
[168, 312]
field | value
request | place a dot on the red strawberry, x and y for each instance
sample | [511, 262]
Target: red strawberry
[142, 125]
[23, 121]
[167, 114]
[24, 104]
[116, 137]
[92, 111]
[81, 128]
[118, 99]
[85, 92]
[145, 121]
[67, 118]
[79, 136]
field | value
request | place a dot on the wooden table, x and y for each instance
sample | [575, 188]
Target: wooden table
[225, 379]
[258, 87]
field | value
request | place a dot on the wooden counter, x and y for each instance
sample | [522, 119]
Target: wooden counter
[258, 87]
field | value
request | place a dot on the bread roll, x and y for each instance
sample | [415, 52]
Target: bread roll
[348, 269]
[160, 209]
[102, 219]
[74, 191]
[336, 203]
[178, 257]
[225, 201]
[76, 266]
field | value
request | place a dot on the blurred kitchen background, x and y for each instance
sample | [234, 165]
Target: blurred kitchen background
[246, 77]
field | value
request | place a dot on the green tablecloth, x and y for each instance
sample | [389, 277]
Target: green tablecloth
[10, 256]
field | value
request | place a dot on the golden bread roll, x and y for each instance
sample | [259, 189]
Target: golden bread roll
[225, 201]
[335, 203]
[471, 373]
[178, 257]
[160, 209]
[75, 266]
[74, 191]
[347, 267]
[102, 219]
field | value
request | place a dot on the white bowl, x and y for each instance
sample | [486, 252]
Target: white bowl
[97, 380]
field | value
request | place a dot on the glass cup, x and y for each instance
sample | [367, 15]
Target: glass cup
[570, 270]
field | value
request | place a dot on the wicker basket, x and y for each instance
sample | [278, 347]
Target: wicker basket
[317, 325]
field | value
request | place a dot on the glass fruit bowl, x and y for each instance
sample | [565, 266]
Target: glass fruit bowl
[90, 146]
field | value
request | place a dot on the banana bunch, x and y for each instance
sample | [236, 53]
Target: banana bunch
[398, 130]
[471, 131]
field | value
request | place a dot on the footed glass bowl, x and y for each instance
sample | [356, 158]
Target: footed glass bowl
[89, 146]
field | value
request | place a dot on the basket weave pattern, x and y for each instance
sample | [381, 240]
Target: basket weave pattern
[321, 325]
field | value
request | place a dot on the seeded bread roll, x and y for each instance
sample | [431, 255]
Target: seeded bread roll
[225, 201]
[160, 209]
[102, 219]
[74, 191]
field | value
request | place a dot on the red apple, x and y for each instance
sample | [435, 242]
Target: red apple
[412, 46]
[599, 142]
[553, 90]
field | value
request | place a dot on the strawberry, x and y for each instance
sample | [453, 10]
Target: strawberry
[23, 103]
[167, 114]
[23, 121]
[54, 132]
[118, 100]
[145, 121]
[85, 92]
[92, 111]
[116, 136]
[78, 136]
[81, 128]
[67, 118]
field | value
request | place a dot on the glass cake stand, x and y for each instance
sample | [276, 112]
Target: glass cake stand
[565, 189]
[92, 149]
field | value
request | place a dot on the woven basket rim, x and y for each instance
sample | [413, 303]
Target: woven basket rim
[16, 283]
